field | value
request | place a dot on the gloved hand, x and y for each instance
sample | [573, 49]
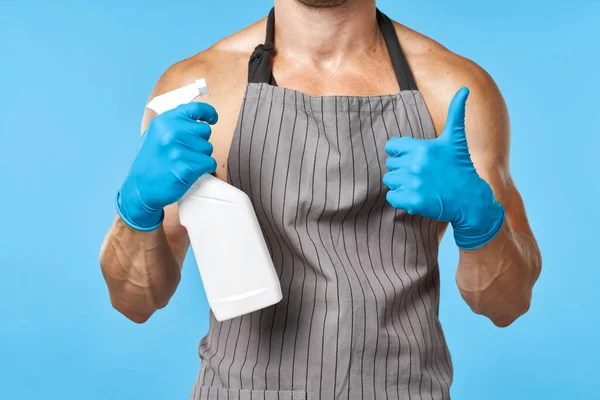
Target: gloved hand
[436, 179]
[174, 153]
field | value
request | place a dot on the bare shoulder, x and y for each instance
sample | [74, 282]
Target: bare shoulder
[222, 61]
[439, 74]
[224, 65]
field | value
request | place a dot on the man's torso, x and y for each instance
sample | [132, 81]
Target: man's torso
[437, 73]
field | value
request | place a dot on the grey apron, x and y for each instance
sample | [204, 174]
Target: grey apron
[360, 279]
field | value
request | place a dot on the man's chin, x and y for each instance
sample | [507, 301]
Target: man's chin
[322, 3]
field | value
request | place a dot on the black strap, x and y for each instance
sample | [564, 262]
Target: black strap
[259, 66]
[403, 73]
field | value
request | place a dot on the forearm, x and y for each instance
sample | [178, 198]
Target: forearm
[497, 279]
[140, 270]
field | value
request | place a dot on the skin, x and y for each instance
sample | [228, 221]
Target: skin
[334, 47]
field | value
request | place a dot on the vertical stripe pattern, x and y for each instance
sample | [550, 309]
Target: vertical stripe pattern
[360, 279]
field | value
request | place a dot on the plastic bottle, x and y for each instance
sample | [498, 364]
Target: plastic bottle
[235, 266]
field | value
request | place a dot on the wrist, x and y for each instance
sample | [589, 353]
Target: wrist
[137, 215]
[489, 223]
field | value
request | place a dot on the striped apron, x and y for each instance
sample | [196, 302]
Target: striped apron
[360, 280]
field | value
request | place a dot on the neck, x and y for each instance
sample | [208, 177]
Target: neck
[325, 35]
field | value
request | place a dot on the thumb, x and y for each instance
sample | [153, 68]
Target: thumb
[455, 122]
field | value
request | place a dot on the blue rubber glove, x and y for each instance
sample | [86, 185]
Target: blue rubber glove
[174, 153]
[436, 179]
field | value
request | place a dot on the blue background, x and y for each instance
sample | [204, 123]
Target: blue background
[74, 80]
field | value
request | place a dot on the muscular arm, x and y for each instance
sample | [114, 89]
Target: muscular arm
[143, 269]
[497, 279]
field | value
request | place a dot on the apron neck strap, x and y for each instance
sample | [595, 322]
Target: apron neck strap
[404, 75]
[259, 65]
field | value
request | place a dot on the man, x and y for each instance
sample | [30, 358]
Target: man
[353, 149]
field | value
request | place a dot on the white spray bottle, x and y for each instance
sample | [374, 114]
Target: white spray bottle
[234, 263]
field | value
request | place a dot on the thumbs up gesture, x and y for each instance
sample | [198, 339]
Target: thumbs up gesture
[436, 179]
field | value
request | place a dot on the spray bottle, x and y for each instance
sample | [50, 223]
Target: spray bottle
[235, 266]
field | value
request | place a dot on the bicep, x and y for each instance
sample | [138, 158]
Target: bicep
[488, 136]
